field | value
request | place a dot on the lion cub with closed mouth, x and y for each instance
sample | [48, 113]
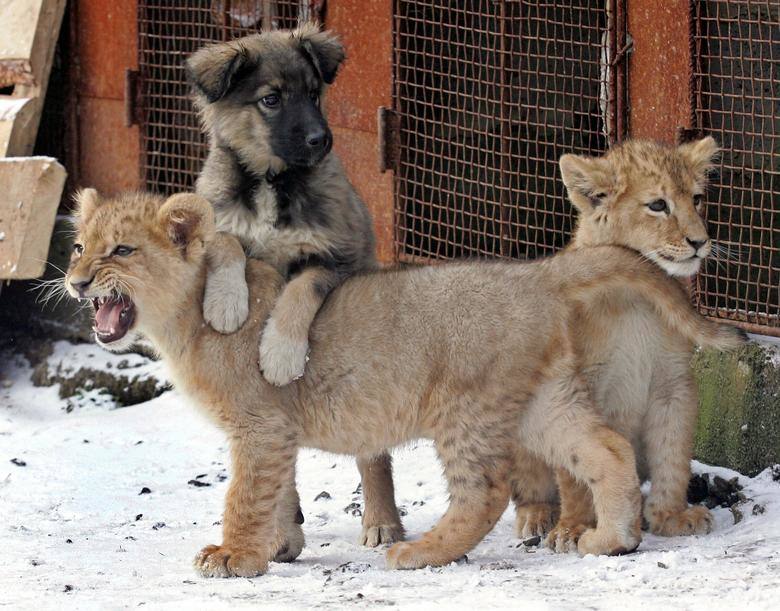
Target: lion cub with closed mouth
[644, 196]
[455, 353]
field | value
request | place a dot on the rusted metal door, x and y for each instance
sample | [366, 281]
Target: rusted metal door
[487, 96]
[736, 98]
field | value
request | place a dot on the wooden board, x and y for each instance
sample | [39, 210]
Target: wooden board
[30, 192]
[28, 37]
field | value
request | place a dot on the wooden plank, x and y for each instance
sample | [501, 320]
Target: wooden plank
[28, 35]
[30, 192]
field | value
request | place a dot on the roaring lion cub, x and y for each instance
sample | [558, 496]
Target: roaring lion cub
[647, 197]
[456, 353]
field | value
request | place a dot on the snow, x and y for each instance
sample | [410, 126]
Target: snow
[77, 532]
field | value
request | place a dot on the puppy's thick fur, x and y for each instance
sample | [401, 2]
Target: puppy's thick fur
[644, 196]
[457, 353]
[275, 184]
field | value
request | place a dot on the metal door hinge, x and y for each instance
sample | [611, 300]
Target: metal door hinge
[132, 98]
[389, 131]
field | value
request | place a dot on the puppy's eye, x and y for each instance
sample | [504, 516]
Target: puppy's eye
[122, 251]
[659, 205]
[78, 249]
[697, 199]
[271, 100]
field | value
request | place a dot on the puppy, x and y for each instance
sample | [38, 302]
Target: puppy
[274, 184]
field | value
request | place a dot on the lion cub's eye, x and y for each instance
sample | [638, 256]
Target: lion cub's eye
[122, 251]
[658, 205]
[697, 199]
[78, 249]
[271, 100]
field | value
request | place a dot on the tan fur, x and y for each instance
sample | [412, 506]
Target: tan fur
[637, 369]
[400, 344]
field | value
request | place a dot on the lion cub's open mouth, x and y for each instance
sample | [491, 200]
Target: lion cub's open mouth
[114, 315]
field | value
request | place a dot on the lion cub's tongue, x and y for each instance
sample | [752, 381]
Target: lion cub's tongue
[107, 316]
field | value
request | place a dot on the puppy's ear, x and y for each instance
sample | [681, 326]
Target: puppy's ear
[186, 217]
[701, 155]
[324, 49]
[588, 180]
[216, 69]
[87, 201]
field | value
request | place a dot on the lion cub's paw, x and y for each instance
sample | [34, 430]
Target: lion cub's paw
[226, 299]
[381, 534]
[563, 538]
[282, 359]
[594, 541]
[222, 561]
[695, 520]
[534, 520]
[413, 555]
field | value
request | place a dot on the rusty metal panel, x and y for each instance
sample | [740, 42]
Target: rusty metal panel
[660, 67]
[736, 98]
[173, 147]
[489, 95]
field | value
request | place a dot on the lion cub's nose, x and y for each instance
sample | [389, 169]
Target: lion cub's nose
[697, 244]
[81, 286]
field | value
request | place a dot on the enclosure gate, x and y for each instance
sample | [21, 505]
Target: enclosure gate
[173, 147]
[488, 96]
[736, 93]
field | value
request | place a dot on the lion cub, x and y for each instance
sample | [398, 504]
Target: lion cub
[647, 197]
[395, 356]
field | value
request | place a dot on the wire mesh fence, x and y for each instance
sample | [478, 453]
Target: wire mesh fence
[737, 100]
[173, 147]
[489, 95]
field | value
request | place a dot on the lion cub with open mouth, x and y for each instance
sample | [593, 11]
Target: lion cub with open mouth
[456, 353]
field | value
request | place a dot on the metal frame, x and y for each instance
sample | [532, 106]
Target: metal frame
[520, 83]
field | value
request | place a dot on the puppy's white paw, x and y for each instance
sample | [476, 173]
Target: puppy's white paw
[226, 299]
[282, 359]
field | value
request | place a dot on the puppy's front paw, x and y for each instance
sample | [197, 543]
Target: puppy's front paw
[282, 359]
[224, 561]
[226, 299]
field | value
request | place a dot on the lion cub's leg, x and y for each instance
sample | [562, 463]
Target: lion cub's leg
[262, 469]
[534, 495]
[381, 522]
[479, 493]
[562, 426]
[226, 297]
[577, 514]
[668, 442]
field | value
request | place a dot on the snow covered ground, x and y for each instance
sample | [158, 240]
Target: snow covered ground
[98, 509]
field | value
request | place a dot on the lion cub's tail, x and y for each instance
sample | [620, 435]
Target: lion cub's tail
[632, 275]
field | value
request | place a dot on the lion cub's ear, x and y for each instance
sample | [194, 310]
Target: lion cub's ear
[87, 201]
[186, 217]
[588, 180]
[323, 48]
[216, 69]
[701, 155]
